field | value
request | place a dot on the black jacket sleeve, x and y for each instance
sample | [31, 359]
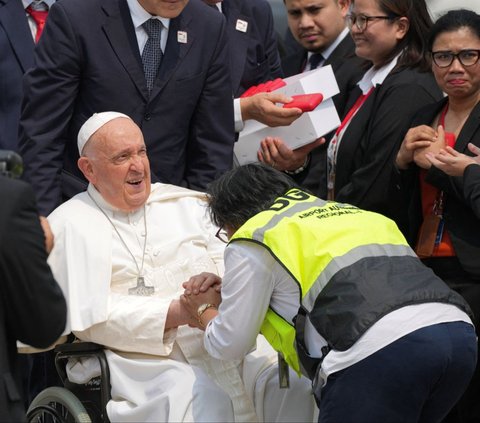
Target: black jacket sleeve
[35, 309]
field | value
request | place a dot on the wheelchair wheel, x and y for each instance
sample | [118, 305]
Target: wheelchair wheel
[57, 405]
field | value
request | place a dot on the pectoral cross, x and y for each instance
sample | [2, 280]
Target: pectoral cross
[141, 289]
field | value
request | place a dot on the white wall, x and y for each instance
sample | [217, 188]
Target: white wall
[439, 7]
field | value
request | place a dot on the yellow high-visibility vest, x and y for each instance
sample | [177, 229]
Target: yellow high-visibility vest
[325, 246]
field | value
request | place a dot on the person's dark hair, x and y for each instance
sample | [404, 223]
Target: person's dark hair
[452, 21]
[244, 192]
[414, 44]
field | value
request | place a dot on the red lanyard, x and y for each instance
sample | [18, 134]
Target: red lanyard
[353, 110]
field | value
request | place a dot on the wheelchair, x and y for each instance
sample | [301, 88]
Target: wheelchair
[82, 403]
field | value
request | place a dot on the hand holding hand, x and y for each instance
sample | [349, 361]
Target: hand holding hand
[263, 108]
[452, 162]
[439, 142]
[192, 302]
[201, 283]
[416, 138]
[274, 152]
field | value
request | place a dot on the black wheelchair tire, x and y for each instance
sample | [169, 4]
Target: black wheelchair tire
[58, 403]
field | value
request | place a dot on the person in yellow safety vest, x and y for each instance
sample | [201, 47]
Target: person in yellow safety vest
[340, 294]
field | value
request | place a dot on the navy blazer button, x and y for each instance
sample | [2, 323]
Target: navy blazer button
[147, 116]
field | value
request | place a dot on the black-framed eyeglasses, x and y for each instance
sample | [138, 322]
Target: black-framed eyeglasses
[361, 21]
[467, 57]
[222, 235]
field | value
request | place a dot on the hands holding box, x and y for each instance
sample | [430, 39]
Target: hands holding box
[305, 129]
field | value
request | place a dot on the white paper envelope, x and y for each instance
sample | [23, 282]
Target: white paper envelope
[306, 128]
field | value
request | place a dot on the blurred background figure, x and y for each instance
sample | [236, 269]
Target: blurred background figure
[430, 205]
[32, 307]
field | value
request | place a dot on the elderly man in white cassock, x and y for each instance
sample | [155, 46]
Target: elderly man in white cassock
[122, 250]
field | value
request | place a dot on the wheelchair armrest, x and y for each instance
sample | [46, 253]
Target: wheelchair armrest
[78, 347]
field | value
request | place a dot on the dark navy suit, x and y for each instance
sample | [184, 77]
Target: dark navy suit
[16, 56]
[254, 56]
[88, 61]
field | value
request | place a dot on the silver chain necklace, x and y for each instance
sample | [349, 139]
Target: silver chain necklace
[141, 288]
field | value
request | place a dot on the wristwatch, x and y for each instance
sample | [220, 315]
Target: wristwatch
[203, 308]
[301, 168]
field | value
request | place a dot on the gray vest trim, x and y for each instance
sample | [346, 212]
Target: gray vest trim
[359, 295]
[259, 234]
[341, 262]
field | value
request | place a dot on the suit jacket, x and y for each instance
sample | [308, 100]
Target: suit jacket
[471, 188]
[16, 56]
[461, 201]
[373, 137]
[88, 61]
[254, 56]
[32, 307]
[348, 70]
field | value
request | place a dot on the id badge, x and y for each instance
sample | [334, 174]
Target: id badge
[438, 238]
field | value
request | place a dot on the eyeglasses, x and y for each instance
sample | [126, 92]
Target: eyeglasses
[222, 235]
[443, 59]
[361, 21]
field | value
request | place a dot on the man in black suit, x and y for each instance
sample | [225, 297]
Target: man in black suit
[17, 33]
[32, 307]
[319, 27]
[90, 60]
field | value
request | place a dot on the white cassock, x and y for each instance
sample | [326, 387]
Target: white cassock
[158, 374]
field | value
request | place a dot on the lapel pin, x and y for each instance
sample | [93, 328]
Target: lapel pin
[182, 37]
[241, 25]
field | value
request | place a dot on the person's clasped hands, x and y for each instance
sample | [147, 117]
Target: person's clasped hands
[203, 289]
[418, 142]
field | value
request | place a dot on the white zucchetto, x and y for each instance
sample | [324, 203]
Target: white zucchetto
[93, 124]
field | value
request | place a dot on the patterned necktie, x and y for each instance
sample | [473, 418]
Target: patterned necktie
[152, 53]
[38, 10]
[315, 60]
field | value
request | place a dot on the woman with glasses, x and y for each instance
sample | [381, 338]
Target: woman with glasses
[390, 34]
[436, 211]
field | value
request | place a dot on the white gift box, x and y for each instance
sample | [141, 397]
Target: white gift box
[307, 128]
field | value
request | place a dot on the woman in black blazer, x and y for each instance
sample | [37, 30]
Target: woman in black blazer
[391, 36]
[436, 208]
